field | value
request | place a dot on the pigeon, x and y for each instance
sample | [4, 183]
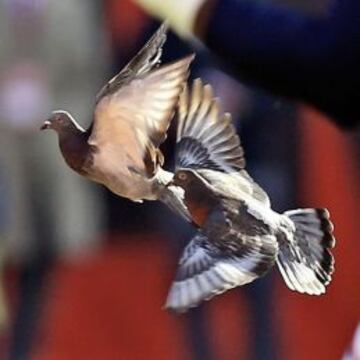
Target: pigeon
[132, 114]
[240, 238]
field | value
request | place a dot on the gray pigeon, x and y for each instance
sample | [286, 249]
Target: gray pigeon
[240, 237]
[132, 114]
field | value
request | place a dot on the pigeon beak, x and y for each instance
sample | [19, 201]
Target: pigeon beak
[46, 125]
[171, 183]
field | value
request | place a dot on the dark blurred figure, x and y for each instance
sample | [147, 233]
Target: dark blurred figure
[304, 57]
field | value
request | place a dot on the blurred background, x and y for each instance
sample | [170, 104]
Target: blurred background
[84, 274]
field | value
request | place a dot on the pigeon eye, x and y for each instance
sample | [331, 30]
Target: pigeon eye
[182, 176]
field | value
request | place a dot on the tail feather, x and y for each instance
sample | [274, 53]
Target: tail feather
[306, 262]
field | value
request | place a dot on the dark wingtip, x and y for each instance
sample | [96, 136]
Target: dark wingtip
[164, 27]
[328, 241]
[327, 227]
[160, 35]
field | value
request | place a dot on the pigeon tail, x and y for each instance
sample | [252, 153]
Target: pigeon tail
[306, 263]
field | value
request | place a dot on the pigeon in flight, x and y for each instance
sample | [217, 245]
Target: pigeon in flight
[240, 237]
[132, 114]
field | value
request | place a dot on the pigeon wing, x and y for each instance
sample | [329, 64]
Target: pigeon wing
[219, 259]
[205, 138]
[204, 272]
[136, 117]
[144, 61]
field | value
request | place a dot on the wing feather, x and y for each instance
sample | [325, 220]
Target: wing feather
[136, 117]
[144, 61]
[206, 138]
[206, 271]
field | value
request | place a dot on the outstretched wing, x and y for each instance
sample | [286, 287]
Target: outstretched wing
[145, 60]
[134, 119]
[206, 138]
[205, 272]
[207, 141]
[218, 259]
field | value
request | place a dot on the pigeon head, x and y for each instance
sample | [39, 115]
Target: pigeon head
[186, 178]
[60, 121]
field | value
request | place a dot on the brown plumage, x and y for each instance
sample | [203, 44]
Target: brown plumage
[132, 114]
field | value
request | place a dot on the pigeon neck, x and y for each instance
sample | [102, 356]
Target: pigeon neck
[75, 126]
[200, 202]
[74, 148]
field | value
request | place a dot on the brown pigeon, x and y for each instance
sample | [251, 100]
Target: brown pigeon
[132, 114]
[240, 237]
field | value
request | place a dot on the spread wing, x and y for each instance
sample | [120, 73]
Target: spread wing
[257, 191]
[206, 138]
[205, 272]
[219, 259]
[146, 59]
[135, 118]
